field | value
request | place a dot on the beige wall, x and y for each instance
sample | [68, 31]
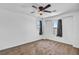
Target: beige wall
[76, 17]
[70, 29]
[16, 29]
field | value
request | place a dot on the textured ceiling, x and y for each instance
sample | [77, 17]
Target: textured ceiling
[26, 8]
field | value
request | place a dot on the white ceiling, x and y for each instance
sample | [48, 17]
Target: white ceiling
[26, 8]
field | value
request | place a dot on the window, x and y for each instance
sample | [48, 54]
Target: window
[57, 27]
[55, 24]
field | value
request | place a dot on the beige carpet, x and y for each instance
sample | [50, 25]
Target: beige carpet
[41, 47]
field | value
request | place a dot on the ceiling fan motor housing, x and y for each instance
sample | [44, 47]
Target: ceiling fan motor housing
[40, 8]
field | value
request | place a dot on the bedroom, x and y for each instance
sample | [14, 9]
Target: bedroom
[32, 28]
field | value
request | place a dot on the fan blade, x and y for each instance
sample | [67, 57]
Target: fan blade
[32, 12]
[34, 7]
[54, 11]
[46, 6]
[47, 11]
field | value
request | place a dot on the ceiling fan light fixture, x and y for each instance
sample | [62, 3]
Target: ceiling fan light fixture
[42, 9]
[40, 13]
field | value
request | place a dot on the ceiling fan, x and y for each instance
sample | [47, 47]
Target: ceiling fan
[43, 9]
